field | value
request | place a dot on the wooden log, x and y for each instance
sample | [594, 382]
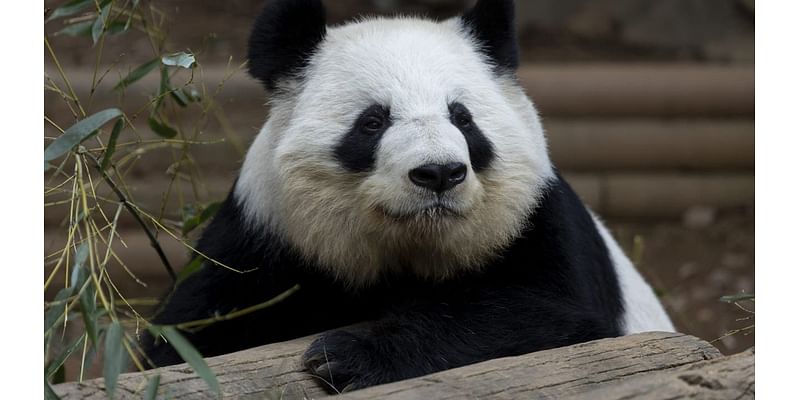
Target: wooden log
[551, 374]
[271, 371]
[651, 144]
[722, 378]
[558, 89]
[640, 90]
[662, 195]
[274, 370]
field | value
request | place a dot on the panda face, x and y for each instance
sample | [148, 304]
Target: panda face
[398, 148]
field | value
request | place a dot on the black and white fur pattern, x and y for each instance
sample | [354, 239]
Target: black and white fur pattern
[506, 262]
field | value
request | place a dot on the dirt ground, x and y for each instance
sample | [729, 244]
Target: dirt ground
[691, 264]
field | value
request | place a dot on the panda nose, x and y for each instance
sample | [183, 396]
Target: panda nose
[438, 177]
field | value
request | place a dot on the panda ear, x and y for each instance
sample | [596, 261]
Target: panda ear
[284, 36]
[491, 23]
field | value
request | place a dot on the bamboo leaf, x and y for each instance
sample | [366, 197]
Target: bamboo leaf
[90, 313]
[152, 388]
[163, 89]
[738, 297]
[69, 8]
[114, 357]
[188, 353]
[83, 28]
[59, 361]
[49, 394]
[210, 211]
[161, 129]
[179, 59]
[180, 97]
[100, 23]
[77, 133]
[55, 312]
[191, 268]
[138, 73]
[112, 144]
[196, 220]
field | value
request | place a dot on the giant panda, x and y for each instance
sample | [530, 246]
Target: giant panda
[402, 180]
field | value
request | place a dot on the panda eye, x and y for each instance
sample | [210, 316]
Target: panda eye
[460, 116]
[372, 125]
[463, 120]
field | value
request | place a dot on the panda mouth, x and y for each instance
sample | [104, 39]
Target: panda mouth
[436, 211]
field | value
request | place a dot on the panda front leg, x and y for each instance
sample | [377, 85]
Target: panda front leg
[441, 336]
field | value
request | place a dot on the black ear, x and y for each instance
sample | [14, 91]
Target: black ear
[284, 36]
[491, 22]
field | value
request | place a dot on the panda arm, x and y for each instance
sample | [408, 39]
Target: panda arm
[495, 323]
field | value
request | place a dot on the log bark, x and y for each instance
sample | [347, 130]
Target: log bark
[574, 371]
[274, 371]
[271, 371]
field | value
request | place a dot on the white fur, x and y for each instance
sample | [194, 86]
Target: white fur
[643, 311]
[291, 182]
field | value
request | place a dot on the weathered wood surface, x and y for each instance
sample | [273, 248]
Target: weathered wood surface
[271, 371]
[721, 378]
[655, 365]
[574, 371]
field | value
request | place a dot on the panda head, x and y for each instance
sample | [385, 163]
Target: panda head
[394, 145]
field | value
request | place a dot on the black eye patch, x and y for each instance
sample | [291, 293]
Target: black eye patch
[481, 151]
[356, 150]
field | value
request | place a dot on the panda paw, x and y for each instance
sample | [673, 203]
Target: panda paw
[345, 361]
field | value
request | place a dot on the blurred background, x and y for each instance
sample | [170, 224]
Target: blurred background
[648, 105]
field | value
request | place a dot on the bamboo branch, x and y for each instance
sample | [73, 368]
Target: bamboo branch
[129, 206]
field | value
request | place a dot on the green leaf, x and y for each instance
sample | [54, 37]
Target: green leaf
[55, 312]
[210, 211]
[83, 28]
[196, 220]
[738, 297]
[161, 129]
[180, 97]
[116, 28]
[78, 133]
[114, 358]
[152, 388]
[191, 268]
[70, 8]
[79, 274]
[179, 59]
[59, 361]
[90, 313]
[112, 144]
[49, 394]
[100, 23]
[138, 73]
[163, 89]
[188, 353]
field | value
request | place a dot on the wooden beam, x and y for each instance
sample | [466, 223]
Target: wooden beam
[275, 370]
[662, 90]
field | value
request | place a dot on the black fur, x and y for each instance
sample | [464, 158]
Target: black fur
[553, 286]
[284, 36]
[481, 151]
[356, 151]
[491, 22]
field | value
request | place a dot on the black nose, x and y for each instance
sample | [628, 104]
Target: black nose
[438, 177]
